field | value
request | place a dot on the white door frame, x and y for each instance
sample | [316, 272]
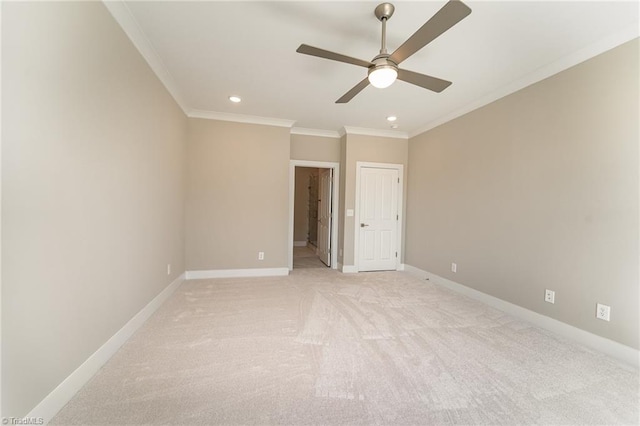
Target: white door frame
[335, 197]
[325, 191]
[356, 242]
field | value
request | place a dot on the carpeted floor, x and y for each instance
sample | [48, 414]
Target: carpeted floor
[321, 347]
[306, 257]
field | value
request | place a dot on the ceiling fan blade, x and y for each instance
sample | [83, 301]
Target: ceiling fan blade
[422, 80]
[321, 53]
[351, 93]
[450, 14]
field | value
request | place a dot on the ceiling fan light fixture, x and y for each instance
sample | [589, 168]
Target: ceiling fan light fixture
[382, 76]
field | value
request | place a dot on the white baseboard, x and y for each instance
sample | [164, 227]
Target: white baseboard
[62, 394]
[352, 269]
[236, 273]
[349, 269]
[616, 350]
[299, 243]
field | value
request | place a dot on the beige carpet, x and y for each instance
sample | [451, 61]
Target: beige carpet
[321, 347]
[306, 257]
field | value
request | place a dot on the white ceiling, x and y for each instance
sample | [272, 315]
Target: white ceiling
[206, 51]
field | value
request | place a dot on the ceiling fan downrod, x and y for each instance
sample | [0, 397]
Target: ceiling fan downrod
[384, 12]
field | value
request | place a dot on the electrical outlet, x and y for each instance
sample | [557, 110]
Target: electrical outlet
[168, 269]
[454, 267]
[603, 312]
[550, 296]
[260, 255]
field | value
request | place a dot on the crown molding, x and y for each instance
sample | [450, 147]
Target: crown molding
[540, 74]
[240, 118]
[132, 29]
[349, 130]
[315, 132]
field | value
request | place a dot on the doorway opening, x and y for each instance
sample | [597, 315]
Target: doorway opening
[311, 218]
[313, 204]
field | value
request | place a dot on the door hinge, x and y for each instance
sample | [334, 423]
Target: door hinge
[398, 180]
[396, 254]
[397, 217]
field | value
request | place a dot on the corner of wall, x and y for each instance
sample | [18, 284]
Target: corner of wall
[62, 394]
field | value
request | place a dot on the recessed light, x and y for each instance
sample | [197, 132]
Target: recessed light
[392, 118]
[394, 126]
[235, 99]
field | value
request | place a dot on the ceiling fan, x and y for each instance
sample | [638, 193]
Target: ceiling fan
[383, 68]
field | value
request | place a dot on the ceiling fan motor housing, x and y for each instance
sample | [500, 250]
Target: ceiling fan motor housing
[382, 61]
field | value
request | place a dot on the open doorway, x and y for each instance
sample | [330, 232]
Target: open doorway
[312, 218]
[313, 214]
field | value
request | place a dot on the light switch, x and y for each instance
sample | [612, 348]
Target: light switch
[349, 212]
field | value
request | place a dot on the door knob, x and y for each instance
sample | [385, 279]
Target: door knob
[362, 225]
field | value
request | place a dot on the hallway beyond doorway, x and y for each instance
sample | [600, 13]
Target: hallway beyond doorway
[306, 257]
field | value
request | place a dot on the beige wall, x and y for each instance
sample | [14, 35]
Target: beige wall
[374, 149]
[539, 190]
[92, 187]
[315, 148]
[237, 196]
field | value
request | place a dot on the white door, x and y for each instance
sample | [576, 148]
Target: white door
[324, 216]
[378, 219]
